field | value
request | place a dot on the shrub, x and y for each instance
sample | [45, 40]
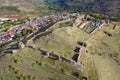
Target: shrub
[0, 72]
[33, 64]
[17, 71]
[14, 69]
[1, 78]
[16, 60]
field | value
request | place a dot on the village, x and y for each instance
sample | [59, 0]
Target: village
[86, 24]
[35, 24]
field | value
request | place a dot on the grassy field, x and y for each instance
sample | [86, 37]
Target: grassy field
[100, 59]
[60, 38]
[28, 64]
[104, 52]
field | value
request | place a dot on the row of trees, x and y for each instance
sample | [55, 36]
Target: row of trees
[24, 33]
[103, 17]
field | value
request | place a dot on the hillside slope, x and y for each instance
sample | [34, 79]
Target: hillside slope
[21, 3]
[109, 7]
[105, 53]
[29, 64]
[100, 58]
[25, 8]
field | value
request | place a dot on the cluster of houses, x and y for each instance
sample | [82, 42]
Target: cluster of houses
[2, 20]
[35, 24]
[90, 24]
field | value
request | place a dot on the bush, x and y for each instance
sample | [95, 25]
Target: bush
[33, 64]
[0, 72]
[14, 69]
[1, 78]
[17, 60]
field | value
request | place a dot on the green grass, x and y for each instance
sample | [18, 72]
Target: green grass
[102, 62]
[60, 38]
[30, 63]
[105, 53]
[107, 68]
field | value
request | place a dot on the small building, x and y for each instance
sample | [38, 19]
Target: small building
[1, 23]
[4, 19]
[82, 24]
[21, 45]
[14, 51]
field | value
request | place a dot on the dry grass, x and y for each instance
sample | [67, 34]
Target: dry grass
[62, 40]
[30, 63]
[105, 53]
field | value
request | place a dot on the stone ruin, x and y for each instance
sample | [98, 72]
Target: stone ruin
[84, 78]
[82, 44]
[107, 33]
[77, 49]
[114, 26]
[61, 58]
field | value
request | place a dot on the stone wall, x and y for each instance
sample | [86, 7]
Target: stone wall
[60, 58]
[54, 55]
